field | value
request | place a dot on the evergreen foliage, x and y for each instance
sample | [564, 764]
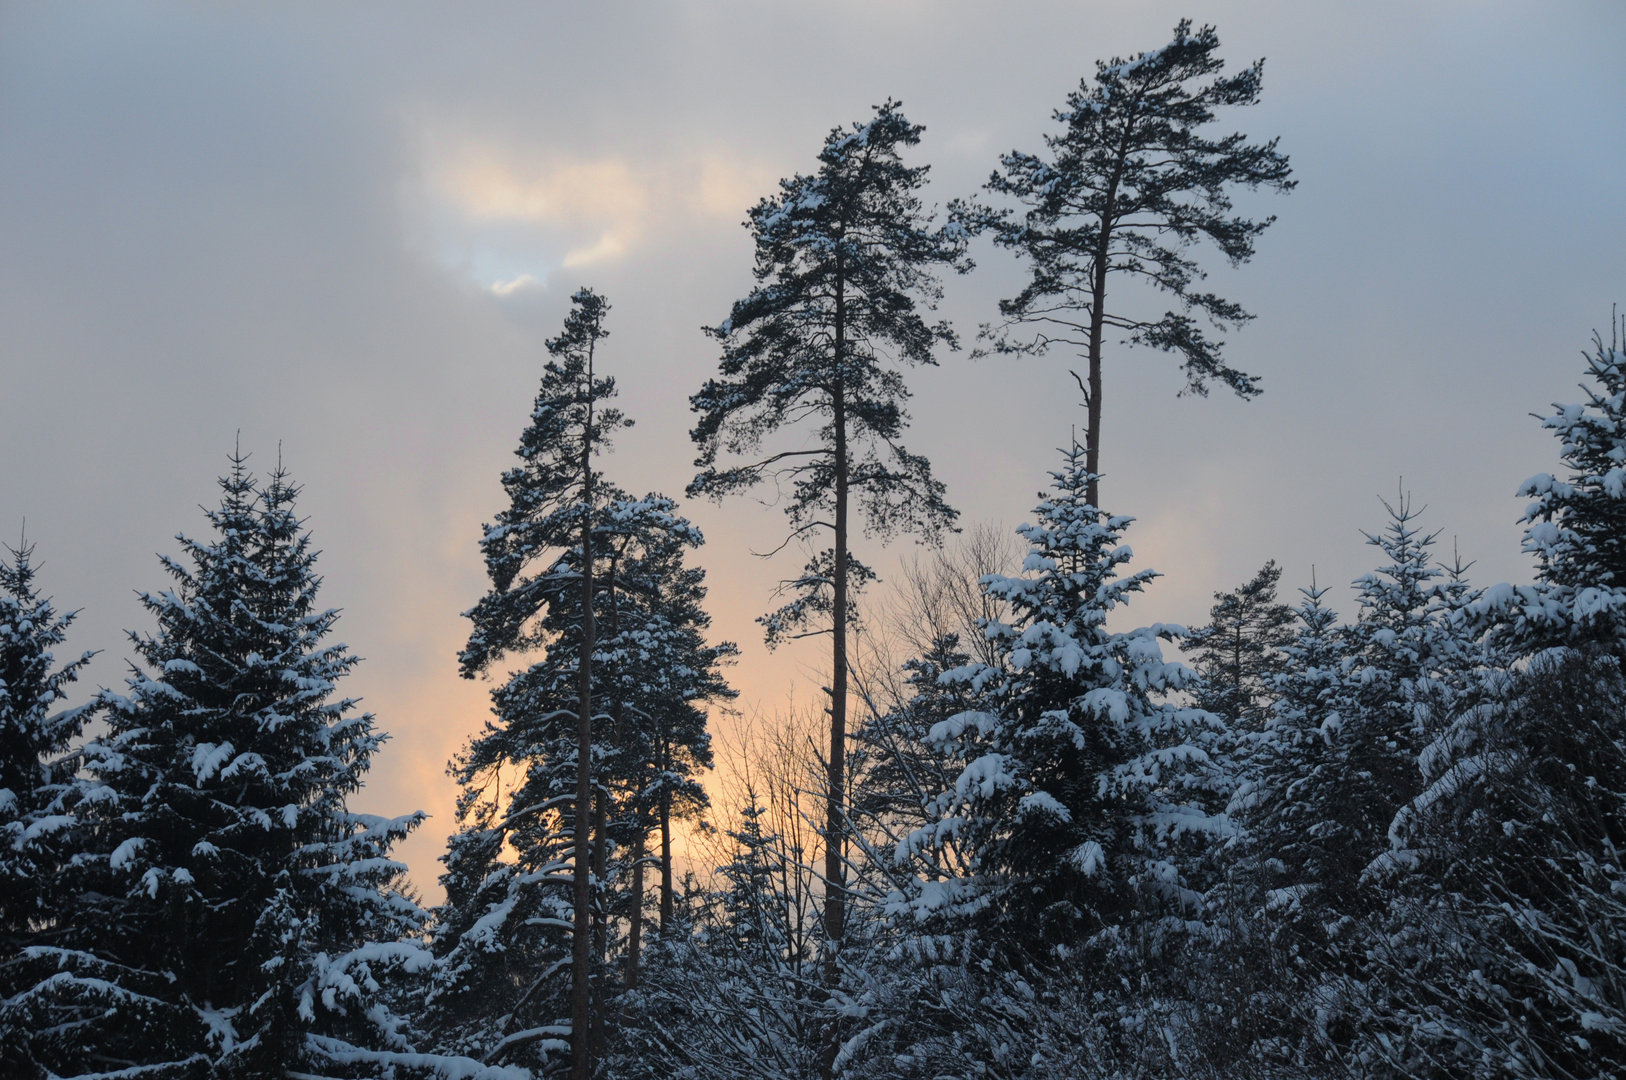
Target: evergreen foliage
[231, 916]
[34, 735]
[845, 261]
[1237, 651]
[1128, 186]
[1081, 795]
[1577, 527]
[36, 788]
[507, 938]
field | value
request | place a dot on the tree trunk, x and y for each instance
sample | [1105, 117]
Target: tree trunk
[635, 916]
[668, 913]
[1098, 318]
[601, 797]
[835, 825]
[581, 955]
[1092, 434]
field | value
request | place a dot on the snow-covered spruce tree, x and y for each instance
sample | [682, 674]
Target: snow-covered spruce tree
[1288, 809]
[1500, 953]
[845, 260]
[1084, 802]
[36, 787]
[1340, 758]
[1236, 652]
[1577, 527]
[34, 734]
[224, 874]
[1285, 771]
[1080, 789]
[551, 508]
[1128, 186]
[1402, 650]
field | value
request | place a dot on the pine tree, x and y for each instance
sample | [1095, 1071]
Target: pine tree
[1236, 652]
[240, 914]
[36, 789]
[1129, 185]
[1577, 527]
[551, 507]
[845, 259]
[511, 924]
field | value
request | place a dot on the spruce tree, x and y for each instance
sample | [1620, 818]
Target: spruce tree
[1283, 800]
[34, 734]
[223, 875]
[1128, 186]
[1499, 949]
[845, 260]
[1085, 797]
[36, 795]
[1399, 647]
[1237, 651]
[1576, 526]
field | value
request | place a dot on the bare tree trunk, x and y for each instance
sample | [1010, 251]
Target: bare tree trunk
[581, 956]
[601, 796]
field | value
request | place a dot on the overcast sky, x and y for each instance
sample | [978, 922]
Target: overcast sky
[347, 229]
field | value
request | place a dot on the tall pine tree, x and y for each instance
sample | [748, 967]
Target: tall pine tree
[845, 260]
[551, 507]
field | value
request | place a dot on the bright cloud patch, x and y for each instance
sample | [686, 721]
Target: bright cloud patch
[509, 218]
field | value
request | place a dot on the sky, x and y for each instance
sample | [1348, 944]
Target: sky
[342, 233]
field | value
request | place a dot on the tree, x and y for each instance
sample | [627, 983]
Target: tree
[36, 783]
[1237, 651]
[499, 935]
[844, 259]
[1499, 950]
[1081, 798]
[551, 507]
[1279, 801]
[1128, 187]
[1577, 527]
[232, 913]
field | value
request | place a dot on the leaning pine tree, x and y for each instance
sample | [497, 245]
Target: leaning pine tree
[1128, 187]
[845, 262]
[541, 546]
[235, 886]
